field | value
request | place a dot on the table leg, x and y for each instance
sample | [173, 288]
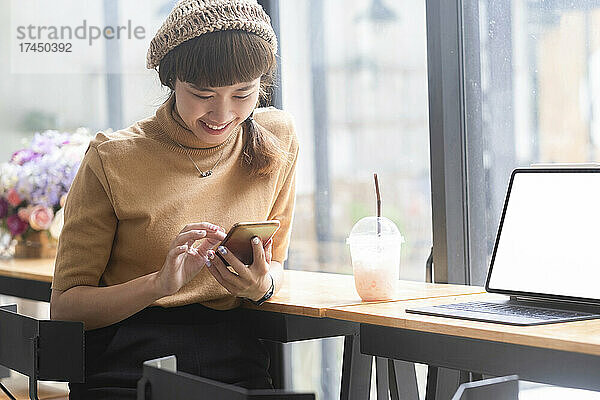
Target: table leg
[448, 382]
[403, 380]
[442, 383]
[430, 391]
[382, 378]
[356, 371]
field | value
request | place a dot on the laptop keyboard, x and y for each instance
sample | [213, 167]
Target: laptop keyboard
[513, 310]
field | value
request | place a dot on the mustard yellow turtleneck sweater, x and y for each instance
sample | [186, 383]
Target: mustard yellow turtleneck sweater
[136, 189]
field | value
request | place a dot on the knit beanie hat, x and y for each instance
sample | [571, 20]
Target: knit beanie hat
[192, 18]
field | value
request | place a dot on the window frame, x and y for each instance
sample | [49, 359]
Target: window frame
[456, 143]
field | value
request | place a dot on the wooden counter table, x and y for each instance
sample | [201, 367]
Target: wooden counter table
[27, 278]
[564, 354]
[313, 293]
[303, 293]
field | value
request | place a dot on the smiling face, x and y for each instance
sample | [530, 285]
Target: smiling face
[217, 79]
[212, 113]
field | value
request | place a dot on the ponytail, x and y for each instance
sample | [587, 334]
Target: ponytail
[262, 153]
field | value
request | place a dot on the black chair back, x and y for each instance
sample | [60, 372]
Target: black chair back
[502, 388]
[161, 380]
[42, 350]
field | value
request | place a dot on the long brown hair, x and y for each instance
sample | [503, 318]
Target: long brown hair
[225, 58]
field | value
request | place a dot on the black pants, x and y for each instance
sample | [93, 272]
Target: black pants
[213, 344]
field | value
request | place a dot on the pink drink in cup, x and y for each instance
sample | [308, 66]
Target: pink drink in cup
[375, 252]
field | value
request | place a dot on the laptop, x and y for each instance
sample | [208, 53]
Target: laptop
[546, 257]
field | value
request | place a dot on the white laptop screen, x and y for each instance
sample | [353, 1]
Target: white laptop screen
[549, 239]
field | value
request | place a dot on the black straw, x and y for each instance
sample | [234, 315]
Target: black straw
[378, 204]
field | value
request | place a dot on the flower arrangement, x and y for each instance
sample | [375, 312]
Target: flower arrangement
[35, 182]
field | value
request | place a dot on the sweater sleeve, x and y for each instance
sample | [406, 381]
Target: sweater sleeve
[85, 243]
[283, 208]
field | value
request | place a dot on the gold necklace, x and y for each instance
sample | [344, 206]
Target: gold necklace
[202, 174]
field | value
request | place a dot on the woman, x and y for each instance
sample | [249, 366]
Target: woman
[143, 195]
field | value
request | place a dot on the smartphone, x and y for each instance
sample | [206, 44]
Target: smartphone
[238, 238]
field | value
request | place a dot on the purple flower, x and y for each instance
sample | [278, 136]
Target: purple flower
[24, 156]
[48, 141]
[45, 170]
[3, 207]
[15, 225]
[43, 143]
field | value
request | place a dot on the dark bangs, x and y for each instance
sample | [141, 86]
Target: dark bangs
[221, 58]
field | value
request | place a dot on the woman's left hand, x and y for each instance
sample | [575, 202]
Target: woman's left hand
[251, 281]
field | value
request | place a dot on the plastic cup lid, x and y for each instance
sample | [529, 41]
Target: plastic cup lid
[380, 229]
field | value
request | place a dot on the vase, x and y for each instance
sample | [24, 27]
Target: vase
[36, 244]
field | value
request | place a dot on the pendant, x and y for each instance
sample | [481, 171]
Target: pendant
[205, 174]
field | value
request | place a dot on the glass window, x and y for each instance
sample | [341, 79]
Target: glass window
[354, 76]
[539, 93]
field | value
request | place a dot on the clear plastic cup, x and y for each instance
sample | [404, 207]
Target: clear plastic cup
[375, 257]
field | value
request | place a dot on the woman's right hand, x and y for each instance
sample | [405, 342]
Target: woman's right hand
[184, 261]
